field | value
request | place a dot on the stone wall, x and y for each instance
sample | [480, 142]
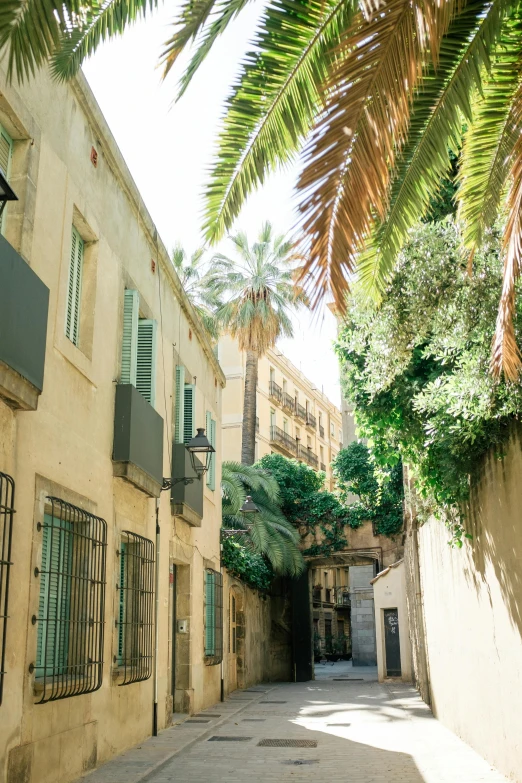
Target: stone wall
[363, 616]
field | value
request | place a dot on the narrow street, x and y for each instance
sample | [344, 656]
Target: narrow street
[344, 726]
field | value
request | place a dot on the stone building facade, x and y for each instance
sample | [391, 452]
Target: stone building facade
[105, 372]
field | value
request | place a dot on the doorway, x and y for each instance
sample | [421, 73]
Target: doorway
[392, 646]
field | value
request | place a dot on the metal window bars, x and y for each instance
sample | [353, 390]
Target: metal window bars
[135, 621]
[213, 616]
[7, 489]
[70, 620]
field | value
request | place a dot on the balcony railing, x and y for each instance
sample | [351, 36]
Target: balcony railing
[342, 596]
[283, 439]
[300, 412]
[323, 467]
[307, 455]
[288, 402]
[321, 431]
[311, 421]
[275, 391]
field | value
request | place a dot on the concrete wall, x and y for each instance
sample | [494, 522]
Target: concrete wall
[362, 615]
[65, 446]
[389, 592]
[473, 616]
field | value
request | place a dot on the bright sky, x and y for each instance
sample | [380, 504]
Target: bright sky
[169, 147]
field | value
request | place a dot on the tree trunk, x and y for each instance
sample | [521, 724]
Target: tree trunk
[248, 445]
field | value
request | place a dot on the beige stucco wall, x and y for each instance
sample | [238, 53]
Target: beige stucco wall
[389, 592]
[473, 616]
[233, 363]
[66, 444]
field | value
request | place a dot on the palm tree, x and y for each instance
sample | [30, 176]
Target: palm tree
[270, 534]
[204, 298]
[258, 291]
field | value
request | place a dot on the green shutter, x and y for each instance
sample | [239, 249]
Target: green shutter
[129, 346]
[121, 612]
[6, 153]
[146, 360]
[55, 598]
[179, 403]
[189, 414]
[211, 435]
[210, 611]
[74, 288]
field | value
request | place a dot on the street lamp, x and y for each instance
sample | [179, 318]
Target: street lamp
[6, 193]
[198, 446]
[248, 507]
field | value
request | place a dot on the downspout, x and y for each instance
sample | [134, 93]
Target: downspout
[223, 621]
[156, 627]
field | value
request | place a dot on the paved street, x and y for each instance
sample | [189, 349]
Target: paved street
[349, 730]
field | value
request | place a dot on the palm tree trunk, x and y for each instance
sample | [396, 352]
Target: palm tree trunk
[248, 445]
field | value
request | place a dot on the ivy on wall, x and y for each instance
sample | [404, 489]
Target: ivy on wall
[253, 569]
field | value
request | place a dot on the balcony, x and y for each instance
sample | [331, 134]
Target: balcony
[283, 440]
[275, 392]
[311, 421]
[24, 302]
[321, 431]
[138, 441]
[186, 500]
[300, 412]
[307, 455]
[288, 403]
[323, 467]
[342, 596]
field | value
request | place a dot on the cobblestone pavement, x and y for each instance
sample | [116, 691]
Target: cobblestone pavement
[361, 731]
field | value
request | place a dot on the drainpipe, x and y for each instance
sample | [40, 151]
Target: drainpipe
[156, 627]
[223, 621]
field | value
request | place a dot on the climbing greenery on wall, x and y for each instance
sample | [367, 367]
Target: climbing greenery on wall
[416, 368]
[379, 489]
[253, 569]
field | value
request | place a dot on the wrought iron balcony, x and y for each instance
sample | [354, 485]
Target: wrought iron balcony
[311, 421]
[282, 439]
[300, 412]
[288, 402]
[342, 596]
[312, 459]
[275, 391]
[321, 431]
[307, 455]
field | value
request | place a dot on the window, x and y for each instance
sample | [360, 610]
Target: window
[284, 385]
[272, 375]
[213, 616]
[332, 429]
[211, 435]
[74, 288]
[138, 351]
[7, 489]
[285, 426]
[297, 433]
[69, 657]
[6, 154]
[340, 436]
[185, 401]
[272, 417]
[135, 621]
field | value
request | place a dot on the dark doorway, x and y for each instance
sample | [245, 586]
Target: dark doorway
[392, 643]
[302, 642]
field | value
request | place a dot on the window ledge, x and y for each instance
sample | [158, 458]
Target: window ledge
[17, 391]
[186, 513]
[137, 476]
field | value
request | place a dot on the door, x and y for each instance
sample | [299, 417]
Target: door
[392, 646]
[232, 659]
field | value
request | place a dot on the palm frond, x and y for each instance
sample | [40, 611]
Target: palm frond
[345, 183]
[273, 102]
[190, 21]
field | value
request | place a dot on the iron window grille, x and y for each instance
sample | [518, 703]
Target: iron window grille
[135, 621]
[69, 657]
[213, 616]
[7, 489]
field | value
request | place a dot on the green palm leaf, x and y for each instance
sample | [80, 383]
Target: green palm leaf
[274, 101]
[191, 19]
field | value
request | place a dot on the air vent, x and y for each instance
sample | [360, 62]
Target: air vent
[229, 739]
[287, 743]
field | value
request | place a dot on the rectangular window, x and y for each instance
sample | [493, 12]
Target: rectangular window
[272, 375]
[285, 426]
[213, 616]
[69, 658]
[74, 288]
[138, 349]
[211, 435]
[146, 360]
[189, 420]
[7, 488]
[6, 154]
[136, 608]
[332, 429]
[129, 348]
[179, 401]
[272, 417]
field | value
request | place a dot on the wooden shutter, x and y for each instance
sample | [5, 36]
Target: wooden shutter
[55, 598]
[189, 423]
[211, 435]
[129, 346]
[210, 598]
[74, 288]
[146, 360]
[179, 403]
[6, 153]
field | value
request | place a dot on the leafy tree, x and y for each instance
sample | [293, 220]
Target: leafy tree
[253, 569]
[258, 292]
[193, 277]
[267, 532]
[415, 369]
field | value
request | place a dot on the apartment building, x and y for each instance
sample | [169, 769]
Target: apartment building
[295, 418]
[105, 375]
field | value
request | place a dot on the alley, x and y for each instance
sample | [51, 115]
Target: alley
[337, 728]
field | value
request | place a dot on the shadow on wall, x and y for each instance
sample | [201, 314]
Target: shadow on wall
[494, 517]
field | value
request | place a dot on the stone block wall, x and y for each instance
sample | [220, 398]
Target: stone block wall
[364, 650]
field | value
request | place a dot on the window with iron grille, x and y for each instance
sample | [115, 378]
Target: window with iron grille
[69, 657]
[135, 621]
[213, 616]
[7, 489]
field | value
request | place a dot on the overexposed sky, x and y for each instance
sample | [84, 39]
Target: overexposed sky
[169, 147]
